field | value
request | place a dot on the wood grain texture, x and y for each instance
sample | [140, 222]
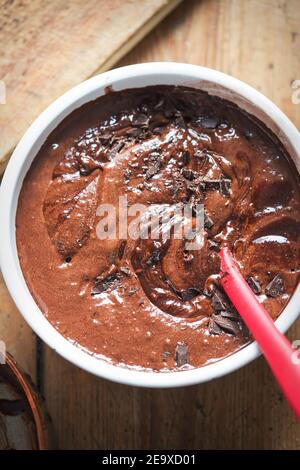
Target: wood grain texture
[19, 339]
[257, 41]
[46, 47]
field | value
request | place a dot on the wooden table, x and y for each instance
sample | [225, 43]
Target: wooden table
[257, 41]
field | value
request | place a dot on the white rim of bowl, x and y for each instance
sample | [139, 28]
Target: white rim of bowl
[141, 75]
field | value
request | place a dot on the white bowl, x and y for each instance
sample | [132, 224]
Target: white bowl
[129, 77]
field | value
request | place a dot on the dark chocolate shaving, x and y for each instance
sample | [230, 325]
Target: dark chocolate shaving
[127, 174]
[154, 258]
[209, 184]
[188, 174]
[125, 270]
[232, 315]
[189, 294]
[218, 301]
[181, 354]
[208, 222]
[158, 130]
[275, 287]
[213, 245]
[116, 149]
[186, 157]
[141, 120]
[154, 165]
[254, 284]
[226, 324]
[214, 328]
[112, 281]
[152, 170]
[225, 186]
[208, 122]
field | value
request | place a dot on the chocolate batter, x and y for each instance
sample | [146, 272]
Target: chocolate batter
[152, 303]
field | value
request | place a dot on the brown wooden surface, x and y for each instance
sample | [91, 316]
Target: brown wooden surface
[48, 46]
[257, 41]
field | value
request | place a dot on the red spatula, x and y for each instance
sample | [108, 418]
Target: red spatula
[275, 346]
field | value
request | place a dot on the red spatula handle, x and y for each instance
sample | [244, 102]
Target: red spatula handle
[278, 351]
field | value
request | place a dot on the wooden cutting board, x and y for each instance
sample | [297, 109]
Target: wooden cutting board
[48, 46]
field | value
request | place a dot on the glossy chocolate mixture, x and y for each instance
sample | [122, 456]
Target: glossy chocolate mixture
[153, 303]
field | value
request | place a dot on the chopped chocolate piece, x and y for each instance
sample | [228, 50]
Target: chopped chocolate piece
[152, 170]
[208, 122]
[116, 148]
[154, 258]
[219, 302]
[189, 294]
[127, 174]
[158, 130]
[206, 184]
[213, 245]
[186, 295]
[141, 301]
[181, 354]
[232, 315]
[254, 284]
[225, 186]
[186, 157]
[226, 324]
[141, 120]
[214, 328]
[125, 270]
[192, 188]
[275, 287]
[134, 132]
[102, 285]
[208, 222]
[188, 174]
[105, 137]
